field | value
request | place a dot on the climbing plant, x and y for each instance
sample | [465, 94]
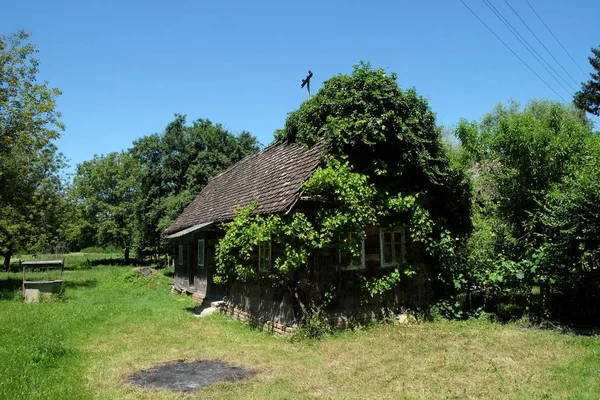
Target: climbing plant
[384, 162]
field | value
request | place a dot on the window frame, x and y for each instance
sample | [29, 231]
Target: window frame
[352, 266]
[394, 233]
[201, 262]
[265, 264]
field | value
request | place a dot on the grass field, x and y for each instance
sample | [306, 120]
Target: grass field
[110, 324]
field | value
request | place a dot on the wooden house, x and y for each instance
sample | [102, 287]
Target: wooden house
[273, 179]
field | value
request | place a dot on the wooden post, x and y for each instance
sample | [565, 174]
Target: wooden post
[306, 82]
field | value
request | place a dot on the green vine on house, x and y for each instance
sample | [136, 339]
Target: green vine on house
[384, 158]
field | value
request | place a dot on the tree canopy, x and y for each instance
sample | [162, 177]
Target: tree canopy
[532, 169]
[588, 98]
[30, 163]
[173, 167]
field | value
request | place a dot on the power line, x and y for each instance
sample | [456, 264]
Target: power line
[525, 43]
[511, 50]
[543, 45]
[555, 38]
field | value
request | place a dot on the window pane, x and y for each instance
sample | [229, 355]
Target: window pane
[387, 237]
[397, 251]
[387, 253]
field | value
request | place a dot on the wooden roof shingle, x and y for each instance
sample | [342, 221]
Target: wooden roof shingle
[272, 177]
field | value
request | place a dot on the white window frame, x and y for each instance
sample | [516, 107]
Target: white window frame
[264, 249]
[200, 261]
[395, 260]
[180, 259]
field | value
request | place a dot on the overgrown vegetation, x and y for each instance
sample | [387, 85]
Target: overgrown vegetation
[535, 210]
[385, 164]
[112, 323]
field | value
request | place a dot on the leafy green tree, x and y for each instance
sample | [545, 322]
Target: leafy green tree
[387, 133]
[105, 191]
[588, 98]
[29, 161]
[524, 164]
[174, 167]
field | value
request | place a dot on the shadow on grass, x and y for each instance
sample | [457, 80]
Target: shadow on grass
[9, 287]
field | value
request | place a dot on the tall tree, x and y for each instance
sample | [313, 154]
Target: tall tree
[105, 191]
[535, 202]
[588, 98]
[29, 161]
[174, 167]
[387, 133]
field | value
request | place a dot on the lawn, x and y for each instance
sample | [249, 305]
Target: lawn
[111, 324]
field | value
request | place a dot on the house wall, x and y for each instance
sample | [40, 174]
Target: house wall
[191, 277]
[277, 305]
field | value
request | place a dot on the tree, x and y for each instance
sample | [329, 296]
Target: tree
[532, 171]
[588, 98]
[29, 161]
[105, 190]
[387, 133]
[173, 167]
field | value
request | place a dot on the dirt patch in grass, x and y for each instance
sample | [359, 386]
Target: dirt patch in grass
[185, 377]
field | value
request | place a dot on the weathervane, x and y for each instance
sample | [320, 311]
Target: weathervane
[306, 82]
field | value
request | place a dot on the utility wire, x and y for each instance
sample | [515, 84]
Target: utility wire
[555, 38]
[526, 44]
[543, 45]
[511, 50]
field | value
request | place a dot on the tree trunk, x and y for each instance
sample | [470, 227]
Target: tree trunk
[126, 255]
[7, 257]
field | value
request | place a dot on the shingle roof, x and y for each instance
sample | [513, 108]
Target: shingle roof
[272, 177]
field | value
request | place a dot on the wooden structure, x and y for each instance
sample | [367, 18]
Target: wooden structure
[34, 289]
[273, 178]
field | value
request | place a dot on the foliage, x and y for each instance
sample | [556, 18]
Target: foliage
[532, 171]
[385, 161]
[300, 234]
[104, 191]
[173, 167]
[588, 98]
[30, 185]
[387, 134]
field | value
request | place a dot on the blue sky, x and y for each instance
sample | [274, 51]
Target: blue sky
[125, 68]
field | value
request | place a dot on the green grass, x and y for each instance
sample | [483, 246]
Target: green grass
[110, 324]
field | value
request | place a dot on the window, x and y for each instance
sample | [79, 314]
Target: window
[392, 247]
[201, 253]
[180, 261]
[264, 256]
[354, 263]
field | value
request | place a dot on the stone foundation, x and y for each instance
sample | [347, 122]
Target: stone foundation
[265, 325]
[340, 320]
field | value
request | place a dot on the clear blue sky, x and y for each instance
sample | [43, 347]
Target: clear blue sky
[126, 67]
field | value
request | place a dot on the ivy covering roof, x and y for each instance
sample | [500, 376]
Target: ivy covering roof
[272, 177]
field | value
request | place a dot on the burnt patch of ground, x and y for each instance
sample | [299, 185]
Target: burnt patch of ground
[182, 376]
